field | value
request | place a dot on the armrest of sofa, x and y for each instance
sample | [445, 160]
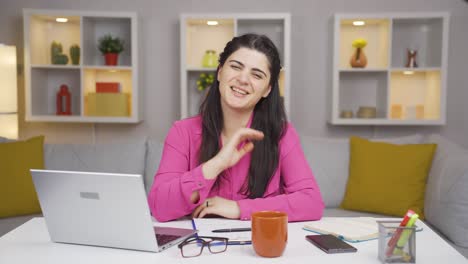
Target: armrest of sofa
[446, 201]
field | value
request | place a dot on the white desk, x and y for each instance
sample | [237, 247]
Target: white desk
[30, 243]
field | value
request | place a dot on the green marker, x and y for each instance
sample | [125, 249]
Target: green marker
[405, 235]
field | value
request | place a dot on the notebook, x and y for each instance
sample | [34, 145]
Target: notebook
[350, 229]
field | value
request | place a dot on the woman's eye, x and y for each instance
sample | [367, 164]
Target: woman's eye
[257, 76]
[235, 67]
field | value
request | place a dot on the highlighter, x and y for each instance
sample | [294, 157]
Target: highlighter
[393, 241]
[405, 235]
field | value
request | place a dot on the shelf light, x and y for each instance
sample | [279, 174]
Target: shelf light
[358, 23]
[408, 72]
[212, 23]
[61, 19]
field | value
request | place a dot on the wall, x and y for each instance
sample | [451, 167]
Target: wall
[159, 33]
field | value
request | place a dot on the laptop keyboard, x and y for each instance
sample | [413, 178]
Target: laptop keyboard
[164, 239]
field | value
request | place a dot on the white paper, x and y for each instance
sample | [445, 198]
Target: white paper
[205, 226]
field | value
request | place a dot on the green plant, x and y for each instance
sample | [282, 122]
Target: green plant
[57, 57]
[75, 54]
[110, 44]
[204, 81]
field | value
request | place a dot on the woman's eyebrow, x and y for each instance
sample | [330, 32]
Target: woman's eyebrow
[253, 69]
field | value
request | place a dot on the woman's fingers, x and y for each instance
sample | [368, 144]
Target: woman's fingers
[248, 134]
[246, 148]
[205, 211]
[197, 210]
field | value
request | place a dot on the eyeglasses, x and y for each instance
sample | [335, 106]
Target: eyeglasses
[193, 246]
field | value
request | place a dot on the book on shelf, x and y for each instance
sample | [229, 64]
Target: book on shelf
[108, 87]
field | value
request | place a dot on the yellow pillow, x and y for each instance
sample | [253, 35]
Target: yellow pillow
[17, 193]
[386, 178]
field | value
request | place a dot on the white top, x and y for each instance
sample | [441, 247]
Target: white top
[30, 243]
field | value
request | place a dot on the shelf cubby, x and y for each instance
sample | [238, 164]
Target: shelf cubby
[272, 28]
[421, 34]
[416, 93]
[43, 30]
[202, 37]
[96, 27]
[47, 83]
[377, 34]
[365, 89]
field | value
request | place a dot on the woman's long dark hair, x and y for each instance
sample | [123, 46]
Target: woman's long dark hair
[269, 117]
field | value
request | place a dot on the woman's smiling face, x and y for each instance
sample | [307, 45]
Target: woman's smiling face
[244, 79]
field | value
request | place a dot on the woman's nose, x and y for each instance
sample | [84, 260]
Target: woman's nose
[243, 76]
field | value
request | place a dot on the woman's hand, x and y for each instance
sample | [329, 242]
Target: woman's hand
[218, 206]
[230, 154]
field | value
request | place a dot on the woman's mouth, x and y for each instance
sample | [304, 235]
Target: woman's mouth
[239, 91]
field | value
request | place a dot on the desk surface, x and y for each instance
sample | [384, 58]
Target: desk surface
[30, 243]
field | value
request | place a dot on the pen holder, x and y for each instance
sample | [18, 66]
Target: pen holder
[396, 244]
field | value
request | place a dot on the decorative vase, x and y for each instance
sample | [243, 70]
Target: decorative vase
[63, 101]
[210, 59]
[411, 58]
[359, 59]
[75, 54]
[111, 59]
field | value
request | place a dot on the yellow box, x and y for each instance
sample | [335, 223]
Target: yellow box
[107, 104]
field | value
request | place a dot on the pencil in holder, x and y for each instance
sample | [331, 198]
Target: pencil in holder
[396, 244]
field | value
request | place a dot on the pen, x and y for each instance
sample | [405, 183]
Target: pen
[247, 242]
[228, 230]
[232, 243]
[194, 227]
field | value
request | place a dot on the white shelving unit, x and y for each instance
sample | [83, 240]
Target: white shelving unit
[401, 95]
[43, 79]
[197, 37]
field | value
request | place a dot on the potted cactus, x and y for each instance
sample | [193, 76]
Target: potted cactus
[75, 54]
[110, 47]
[57, 57]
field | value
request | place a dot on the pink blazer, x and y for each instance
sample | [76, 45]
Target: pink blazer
[292, 189]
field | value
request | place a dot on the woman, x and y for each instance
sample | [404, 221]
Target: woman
[240, 155]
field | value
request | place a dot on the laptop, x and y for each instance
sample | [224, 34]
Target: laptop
[101, 209]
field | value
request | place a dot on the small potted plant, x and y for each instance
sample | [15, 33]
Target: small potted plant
[110, 47]
[205, 80]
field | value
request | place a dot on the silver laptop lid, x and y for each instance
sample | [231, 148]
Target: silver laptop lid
[101, 209]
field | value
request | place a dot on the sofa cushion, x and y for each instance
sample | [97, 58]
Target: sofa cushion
[329, 161]
[446, 202]
[387, 178]
[445, 150]
[153, 157]
[116, 157]
[16, 185]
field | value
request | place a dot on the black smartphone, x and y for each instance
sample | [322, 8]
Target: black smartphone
[330, 244]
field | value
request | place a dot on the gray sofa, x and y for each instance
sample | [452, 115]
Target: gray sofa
[446, 203]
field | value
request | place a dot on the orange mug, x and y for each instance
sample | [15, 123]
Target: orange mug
[269, 233]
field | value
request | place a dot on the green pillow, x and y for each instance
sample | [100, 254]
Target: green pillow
[17, 193]
[386, 178]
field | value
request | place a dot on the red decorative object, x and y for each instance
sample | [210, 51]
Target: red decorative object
[63, 101]
[111, 58]
[108, 87]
